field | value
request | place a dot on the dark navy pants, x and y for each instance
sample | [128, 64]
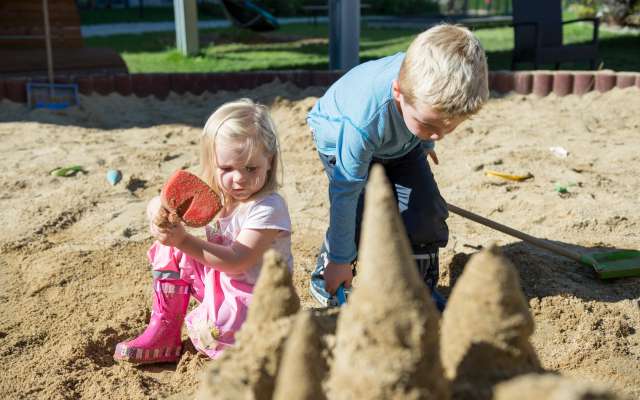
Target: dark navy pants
[423, 210]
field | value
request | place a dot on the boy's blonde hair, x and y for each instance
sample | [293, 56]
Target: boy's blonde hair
[445, 67]
[242, 121]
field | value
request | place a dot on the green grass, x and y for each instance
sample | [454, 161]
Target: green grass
[305, 46]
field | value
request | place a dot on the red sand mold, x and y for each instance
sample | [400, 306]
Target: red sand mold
[192, 199]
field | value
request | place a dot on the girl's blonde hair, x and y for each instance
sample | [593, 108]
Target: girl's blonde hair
[446, 68]
[241, 121]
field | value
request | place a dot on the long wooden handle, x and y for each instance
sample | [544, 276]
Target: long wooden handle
[47, 38]
[513, 232]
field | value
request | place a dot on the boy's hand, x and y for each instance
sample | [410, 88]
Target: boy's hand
[336, 274]
[432, 154]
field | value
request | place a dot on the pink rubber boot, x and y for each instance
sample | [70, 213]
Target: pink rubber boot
[161, 341]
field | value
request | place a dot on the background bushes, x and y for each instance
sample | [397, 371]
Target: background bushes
[617, 12]
[378, 7]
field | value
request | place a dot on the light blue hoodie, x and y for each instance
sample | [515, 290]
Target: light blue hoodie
[357, 120]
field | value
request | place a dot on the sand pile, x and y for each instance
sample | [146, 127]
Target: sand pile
[550, 387]
[75, 279]
[249, 370]
[387, 336]
[388, 332]
[486, 327]
[303, 367]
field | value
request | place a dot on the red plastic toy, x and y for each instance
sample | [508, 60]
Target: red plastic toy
[192, 199]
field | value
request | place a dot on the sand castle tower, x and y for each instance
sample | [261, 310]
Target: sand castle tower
[550, 387]
[249, 369]
[387, 335]
[302, 368]
[486, 328]
[274, 296]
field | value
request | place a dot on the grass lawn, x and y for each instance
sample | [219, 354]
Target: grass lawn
[305, 46]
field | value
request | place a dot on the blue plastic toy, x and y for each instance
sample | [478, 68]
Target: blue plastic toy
[114, 176]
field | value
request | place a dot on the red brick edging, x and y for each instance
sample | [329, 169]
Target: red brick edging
[560, 83]
[540, 83]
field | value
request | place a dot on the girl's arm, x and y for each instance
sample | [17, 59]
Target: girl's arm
[236, 258]
[241, 255]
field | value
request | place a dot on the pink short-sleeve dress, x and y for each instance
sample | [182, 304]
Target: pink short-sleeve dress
[225, 298]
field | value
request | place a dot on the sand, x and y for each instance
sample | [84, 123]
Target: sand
[387, 335]
[303, 367]
[486, 328]
[250, 369]
[549, 387]
[76, 281]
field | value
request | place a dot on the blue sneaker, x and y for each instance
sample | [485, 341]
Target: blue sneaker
[317, 284]
[428, 267]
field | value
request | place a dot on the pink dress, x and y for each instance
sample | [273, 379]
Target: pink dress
[224, 298]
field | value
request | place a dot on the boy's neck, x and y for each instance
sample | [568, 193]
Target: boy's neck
[398, 106]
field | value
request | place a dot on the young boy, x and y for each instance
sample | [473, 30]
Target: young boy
[389, 111]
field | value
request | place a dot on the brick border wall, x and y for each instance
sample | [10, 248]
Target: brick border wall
[560, 83]
[540, 83]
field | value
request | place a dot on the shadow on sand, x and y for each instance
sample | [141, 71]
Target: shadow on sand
[545, 274]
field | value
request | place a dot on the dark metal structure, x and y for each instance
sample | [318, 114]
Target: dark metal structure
[537, 28]
[245, 14]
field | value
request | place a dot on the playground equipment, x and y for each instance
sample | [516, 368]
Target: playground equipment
[245, 14]
[344, 27]
[344, 34]
[538, 35]
[50, 95]
[23, 47]
[242, 13]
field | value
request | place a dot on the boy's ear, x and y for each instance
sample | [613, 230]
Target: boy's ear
[395, 88]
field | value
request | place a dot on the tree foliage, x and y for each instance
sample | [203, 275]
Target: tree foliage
[281, 8]
[617, 12]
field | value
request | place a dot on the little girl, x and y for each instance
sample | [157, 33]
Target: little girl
[239, 156]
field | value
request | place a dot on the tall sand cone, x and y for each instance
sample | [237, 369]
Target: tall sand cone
[486, 328]
[248, 370]
[387, 335]
[550, 387]
[274, 296]
[303, 367]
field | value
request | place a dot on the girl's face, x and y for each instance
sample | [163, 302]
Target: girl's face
[237, 176]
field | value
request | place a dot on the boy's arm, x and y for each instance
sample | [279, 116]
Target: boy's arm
[340, 240]
[354, 153]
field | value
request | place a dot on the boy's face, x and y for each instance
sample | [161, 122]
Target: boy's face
[424, 121]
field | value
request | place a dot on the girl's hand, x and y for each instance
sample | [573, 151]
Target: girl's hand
[164, 225]
[170, 234]
[153, 210]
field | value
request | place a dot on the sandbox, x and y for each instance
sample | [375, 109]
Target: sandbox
[75, 278]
